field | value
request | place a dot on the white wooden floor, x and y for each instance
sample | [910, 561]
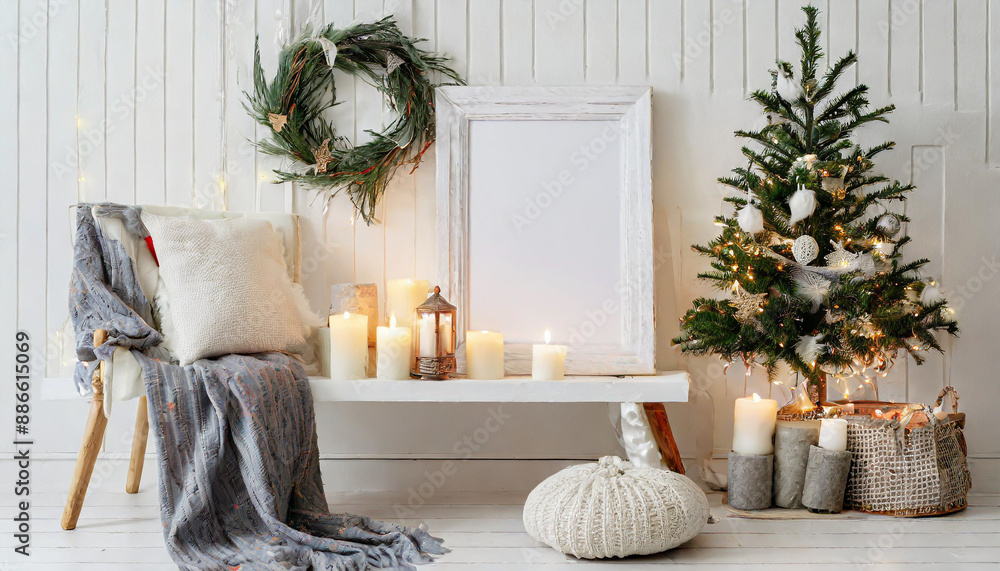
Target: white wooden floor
[119, 532]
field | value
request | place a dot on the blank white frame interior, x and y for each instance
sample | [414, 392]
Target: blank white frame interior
[544, 209]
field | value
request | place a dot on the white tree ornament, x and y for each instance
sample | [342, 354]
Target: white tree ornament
[809, 348]
[805, 249]
[802, 204]
[888, 225]
[840, 259]
[789, 89]
[832, 183]
[750, 219]
[804, 162]
[811, 287]
[931, 294]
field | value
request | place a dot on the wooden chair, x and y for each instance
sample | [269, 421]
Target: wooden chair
[93, 438]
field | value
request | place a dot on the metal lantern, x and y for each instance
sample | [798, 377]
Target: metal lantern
[434, 338]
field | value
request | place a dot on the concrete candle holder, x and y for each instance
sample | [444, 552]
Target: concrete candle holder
[792, 440]
[826, 480]
[750, 480]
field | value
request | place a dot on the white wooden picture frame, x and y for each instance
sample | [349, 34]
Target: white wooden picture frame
[544, 202]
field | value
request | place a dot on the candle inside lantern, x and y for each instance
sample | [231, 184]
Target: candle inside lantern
[483, 355]
[753, 425]
[548, 362]
[833, 434]
[402, 297]
[348, 346]
[394, 349]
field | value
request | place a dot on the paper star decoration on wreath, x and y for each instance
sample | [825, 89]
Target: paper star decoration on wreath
[747, 304]
[277, 121]
[322, 156]
[392, 62]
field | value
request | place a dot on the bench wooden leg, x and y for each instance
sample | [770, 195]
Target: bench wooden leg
[138, 447]
[664, 437]
[93, 437]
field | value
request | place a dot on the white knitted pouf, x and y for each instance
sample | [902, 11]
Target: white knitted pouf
[611, 509]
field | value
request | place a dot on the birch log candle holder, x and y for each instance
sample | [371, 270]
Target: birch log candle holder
[750, 477]
[792, 440]
[826, 480]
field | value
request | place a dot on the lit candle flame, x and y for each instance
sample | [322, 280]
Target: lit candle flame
[548, 336]
[347, 315]
[485, 332]
[756, 397]
[392, 321]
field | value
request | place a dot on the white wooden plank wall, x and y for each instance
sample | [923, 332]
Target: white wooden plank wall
[142, 101]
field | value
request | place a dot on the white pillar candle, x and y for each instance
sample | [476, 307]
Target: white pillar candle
[753, 425]
[324, 351]
[548, 362]
[483, 355]
[348, 346]
[402, 297]
[833, 434]
[394, 345]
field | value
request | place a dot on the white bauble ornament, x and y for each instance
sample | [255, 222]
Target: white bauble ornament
[750, 219]
[805, 249]
[789, 89]
[888, 225]
[802, 204]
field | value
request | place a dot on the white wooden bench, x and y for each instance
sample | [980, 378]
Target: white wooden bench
[648, 391]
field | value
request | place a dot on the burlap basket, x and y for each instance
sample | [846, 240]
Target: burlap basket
[916, 472]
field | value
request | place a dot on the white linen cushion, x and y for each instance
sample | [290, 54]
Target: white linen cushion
[229, 288]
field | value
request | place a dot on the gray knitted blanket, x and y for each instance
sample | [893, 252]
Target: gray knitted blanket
[235, 440]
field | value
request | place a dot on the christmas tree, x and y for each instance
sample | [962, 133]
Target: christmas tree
[811, 260]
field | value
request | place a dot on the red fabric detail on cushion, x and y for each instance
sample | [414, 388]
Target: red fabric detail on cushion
[149, 244]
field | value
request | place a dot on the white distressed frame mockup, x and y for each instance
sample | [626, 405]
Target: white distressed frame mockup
[628, 111]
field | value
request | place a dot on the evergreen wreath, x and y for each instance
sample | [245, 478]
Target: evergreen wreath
[292, 106]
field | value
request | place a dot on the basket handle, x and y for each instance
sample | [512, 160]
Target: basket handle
[947, 391]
